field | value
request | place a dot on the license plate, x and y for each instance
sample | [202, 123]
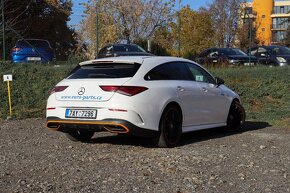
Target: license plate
[248, 64]
[80, 113]
[34, 58]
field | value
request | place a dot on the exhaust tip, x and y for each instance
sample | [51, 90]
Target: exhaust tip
[116, 129]
[54, 126]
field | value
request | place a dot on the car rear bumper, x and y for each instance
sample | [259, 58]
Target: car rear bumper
[21, 58]
[111, 125]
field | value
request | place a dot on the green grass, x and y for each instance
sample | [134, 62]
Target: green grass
[29, 88]
[265, 92]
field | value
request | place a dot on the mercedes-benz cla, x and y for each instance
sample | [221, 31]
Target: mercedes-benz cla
[150, 96]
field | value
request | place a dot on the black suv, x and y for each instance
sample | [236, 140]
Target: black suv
[114, 50]
[230, 56]
[272, 55]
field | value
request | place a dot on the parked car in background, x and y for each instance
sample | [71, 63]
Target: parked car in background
[114, 50]
[32, 50]
[158, 97]
[272, 55]
[229, 56]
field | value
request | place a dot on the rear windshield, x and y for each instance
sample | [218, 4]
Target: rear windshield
[104, 70]
[34, 43]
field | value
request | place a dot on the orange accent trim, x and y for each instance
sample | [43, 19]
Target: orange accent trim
[91, 123]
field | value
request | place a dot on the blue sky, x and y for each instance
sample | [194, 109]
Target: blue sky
[76, 17]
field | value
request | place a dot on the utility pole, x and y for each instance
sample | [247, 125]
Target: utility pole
[3, 31]
[249, 32]
[250, 35]
[250, 39]
[97, 30]
[179, 26]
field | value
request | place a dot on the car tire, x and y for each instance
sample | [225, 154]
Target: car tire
[236, 117]
[170, 127]
[80, 135]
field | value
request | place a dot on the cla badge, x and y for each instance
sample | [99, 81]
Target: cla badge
[81, 91]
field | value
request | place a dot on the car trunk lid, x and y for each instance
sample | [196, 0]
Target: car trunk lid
[96, 81]
[87, 90]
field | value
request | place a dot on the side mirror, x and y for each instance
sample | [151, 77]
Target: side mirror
[219, 81]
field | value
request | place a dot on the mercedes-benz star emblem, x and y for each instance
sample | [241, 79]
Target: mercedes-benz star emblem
[81, 91]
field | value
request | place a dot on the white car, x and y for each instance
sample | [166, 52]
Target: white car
[150, 96]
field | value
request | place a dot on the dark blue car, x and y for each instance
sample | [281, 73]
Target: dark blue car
[272, 55]
[229, 56]
[32, 50]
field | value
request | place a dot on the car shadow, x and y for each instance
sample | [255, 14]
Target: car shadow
[188, 138]
[204, 135]
[123, 140]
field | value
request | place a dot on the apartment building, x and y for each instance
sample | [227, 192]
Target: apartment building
[270, 18]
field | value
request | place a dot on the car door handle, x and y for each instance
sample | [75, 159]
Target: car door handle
[204, 89]
[180, 88]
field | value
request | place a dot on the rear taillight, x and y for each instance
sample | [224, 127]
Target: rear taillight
[16, 49]
[125, 90]
[58, 89]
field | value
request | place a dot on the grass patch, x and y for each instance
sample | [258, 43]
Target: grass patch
[29, 88]
[265, 92]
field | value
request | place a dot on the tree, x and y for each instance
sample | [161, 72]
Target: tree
[196, 33]
[287, 37]
[225, 15]
[123, 20]
[43, 19]
[243, 37]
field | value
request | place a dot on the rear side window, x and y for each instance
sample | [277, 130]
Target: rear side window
[169, 71]
[199, 74]
[104, 70]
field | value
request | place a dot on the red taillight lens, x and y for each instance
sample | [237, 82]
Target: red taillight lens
[125, 90]
[58, 89]
[109, 88]
[16, 49]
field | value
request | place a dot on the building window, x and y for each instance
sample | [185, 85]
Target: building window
[287, 9]
[282, 9]
[280, 23]
[275, 10]
[248, 10]
[278, 36]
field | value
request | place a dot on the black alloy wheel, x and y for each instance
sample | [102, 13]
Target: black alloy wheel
[236, 117]
[170, 127]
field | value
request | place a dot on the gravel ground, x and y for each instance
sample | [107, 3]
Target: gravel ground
[34, 159]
